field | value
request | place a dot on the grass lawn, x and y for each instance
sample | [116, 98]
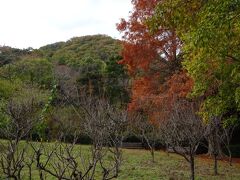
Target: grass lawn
[137, 165]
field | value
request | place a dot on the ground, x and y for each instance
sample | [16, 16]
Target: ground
[137, 165]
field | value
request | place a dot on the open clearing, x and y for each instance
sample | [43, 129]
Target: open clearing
[137, 165]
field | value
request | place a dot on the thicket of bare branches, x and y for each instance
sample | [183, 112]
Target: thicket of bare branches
[20, 119]
[184, 131]
[218, 137]
[103, 123]
[106, 125]
[61, 160]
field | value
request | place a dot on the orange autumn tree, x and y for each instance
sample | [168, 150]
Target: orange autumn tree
[153, 60]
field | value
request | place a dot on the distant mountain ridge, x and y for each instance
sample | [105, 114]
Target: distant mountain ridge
[101, 47]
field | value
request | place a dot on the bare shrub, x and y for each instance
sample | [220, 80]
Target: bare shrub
[184, 131]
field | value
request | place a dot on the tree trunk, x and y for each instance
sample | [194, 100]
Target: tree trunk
[152, 154]
[229, 155]
[167, 147]
[192, 164]
[210, 147]
[215, 147]
[30, 173]
[151, 147]
[230, 159]
[118, 160]
[215, 165]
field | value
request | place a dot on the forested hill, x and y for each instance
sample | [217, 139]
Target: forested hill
[57, 76]
[88, 61]
[9, 55]
[71, 52]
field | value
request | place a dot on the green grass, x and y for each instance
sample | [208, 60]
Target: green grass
[137, 165]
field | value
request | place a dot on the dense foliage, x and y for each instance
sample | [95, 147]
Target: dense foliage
[185, 54]
[98, 47]
[64, 70]
[154, 61]
[209, 31]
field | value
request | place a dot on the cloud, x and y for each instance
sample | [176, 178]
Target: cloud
[34, 23]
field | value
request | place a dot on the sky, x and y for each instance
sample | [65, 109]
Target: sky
[35, 23]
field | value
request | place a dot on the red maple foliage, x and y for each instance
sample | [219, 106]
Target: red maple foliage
[141, 45]
[153, 60]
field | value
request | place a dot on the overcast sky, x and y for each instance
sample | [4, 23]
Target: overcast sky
[34, 23]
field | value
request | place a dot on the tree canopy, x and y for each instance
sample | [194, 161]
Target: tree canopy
[209, 31]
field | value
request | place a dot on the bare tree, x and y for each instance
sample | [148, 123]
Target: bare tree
[118, 129]
[214, 137]
[147, 131]
[61, 160]
[184, 131]
[227, 134]
[106, 126]
[21, 118]
[218, 137]
[66, 78]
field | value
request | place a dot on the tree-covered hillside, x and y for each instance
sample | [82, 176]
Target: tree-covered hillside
[57, 75]
[99, 47]
[9, 55]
